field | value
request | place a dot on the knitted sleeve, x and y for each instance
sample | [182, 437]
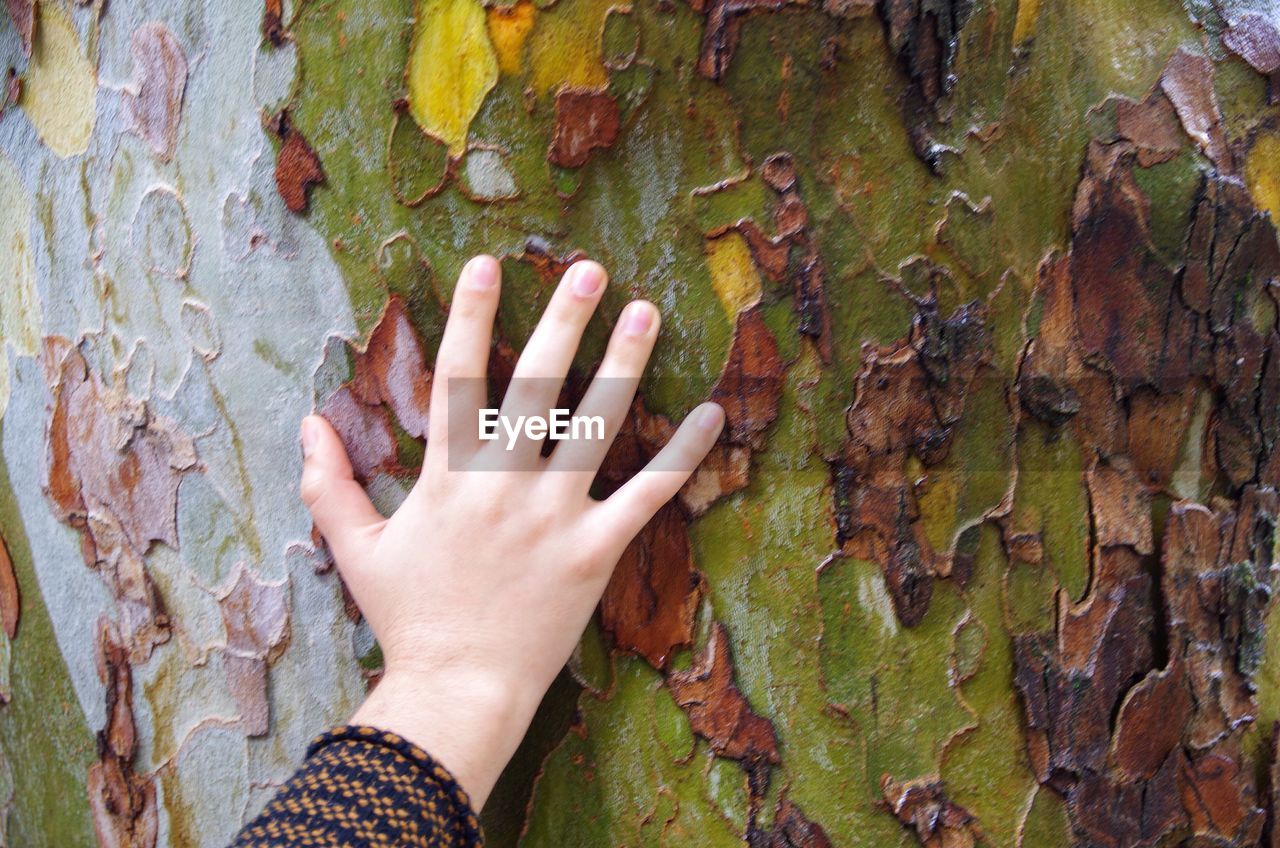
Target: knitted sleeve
[361, 786]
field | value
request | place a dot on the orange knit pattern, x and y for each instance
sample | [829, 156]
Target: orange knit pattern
[361, 786]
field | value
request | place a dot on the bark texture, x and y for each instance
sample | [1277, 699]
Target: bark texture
[988, 288]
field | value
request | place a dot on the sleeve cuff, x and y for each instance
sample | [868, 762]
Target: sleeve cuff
[466, 822]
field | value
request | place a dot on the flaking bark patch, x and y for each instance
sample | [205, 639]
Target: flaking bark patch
[924, 36]
[1188, 81]
[112, 472]
[908, 398]
[297, 165]
[923, 808]
[586, 121]
[159, 80]
[718, 711]
[273, 28]
[720, 32]
[390, 385]
[10, 598]
[23, 14]
[255, 617]
[790, 829]
[649, 605]
[751, 383]
[122, 802]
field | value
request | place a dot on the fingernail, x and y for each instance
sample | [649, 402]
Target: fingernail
[587, 278]
[709, 416]
[481, 273]
[637, 319]
[308, 436]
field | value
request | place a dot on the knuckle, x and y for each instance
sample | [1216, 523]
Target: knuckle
[447, 364]
[311, 487]
[584, 565]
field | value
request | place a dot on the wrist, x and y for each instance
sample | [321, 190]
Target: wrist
[469, 723]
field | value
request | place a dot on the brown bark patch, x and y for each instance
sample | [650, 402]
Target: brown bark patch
[1115, 276]
[1121, 507]
[585, 121]
[750, 385]
[718, 711]
[720, 31]
[548, 266]
[273, 28]
[649, 605]
[923, 808]
[791, 829]
[10, 597]
[392, 370]
[924, 36]
[122, 803]
[1152, 125]
[366, 431]
[1150, 724]
[908, 397]
[297, 165]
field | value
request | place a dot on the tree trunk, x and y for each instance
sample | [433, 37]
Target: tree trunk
[988, 289]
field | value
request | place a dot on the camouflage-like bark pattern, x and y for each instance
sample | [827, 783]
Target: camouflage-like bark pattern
[988, 288]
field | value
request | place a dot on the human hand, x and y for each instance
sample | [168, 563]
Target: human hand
[481, 583]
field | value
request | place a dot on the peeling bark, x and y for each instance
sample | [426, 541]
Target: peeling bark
[586, 121]
[924, 36]
[123, 802]
[255, 616]
[717, 710]
[923, 808]
[10, 598]
[159, 80]
[907, 401]
[791, 829]
[112, 472]
[297, 166]
[23, 15]
[649, 605]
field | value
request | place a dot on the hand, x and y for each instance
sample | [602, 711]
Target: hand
[481, 583]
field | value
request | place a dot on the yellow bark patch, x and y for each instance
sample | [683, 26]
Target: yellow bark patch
[452, 67]
[733, 273]
[1024, 25]
[508, 28]
[1262, 173]
[566, 51]
[60, 86]
[19, 301]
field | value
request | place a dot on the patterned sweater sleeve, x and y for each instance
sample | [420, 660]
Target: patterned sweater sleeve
[361, 786]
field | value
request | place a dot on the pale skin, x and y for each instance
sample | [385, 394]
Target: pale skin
[481, 583]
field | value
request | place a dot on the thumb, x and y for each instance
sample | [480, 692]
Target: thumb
[339, 507]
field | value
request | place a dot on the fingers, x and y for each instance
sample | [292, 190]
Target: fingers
[545, 361]
[611, 391]
[631, 507]
[341, 510]
[463, 358]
